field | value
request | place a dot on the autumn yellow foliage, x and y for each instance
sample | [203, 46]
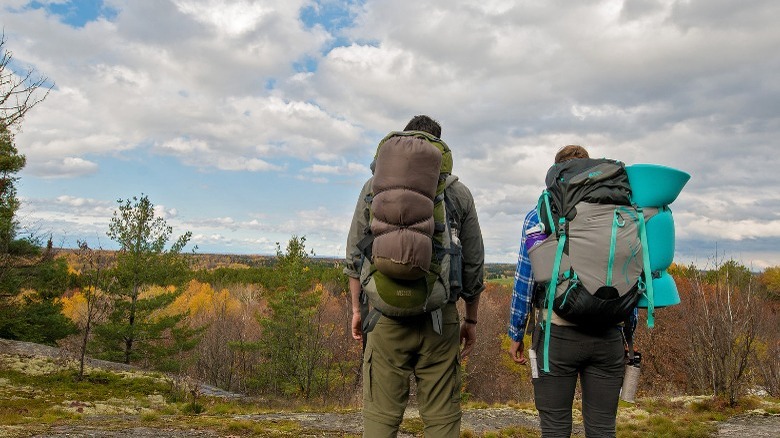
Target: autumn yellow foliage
[199, 300]
[74, 307]
[770, 279]
[153, 291]
[203, 303]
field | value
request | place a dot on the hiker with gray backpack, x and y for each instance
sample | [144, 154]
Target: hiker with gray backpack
[414, 248]
[581, 266]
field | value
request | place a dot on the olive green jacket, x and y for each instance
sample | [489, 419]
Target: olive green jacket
[470, 236]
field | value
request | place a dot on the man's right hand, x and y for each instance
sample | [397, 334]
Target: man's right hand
[354, 292]
[357, 329]
[516, 352]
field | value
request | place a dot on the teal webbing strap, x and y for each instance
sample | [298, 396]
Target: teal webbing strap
[573, 281]
[634, 250]
[612, 244]
[648, 273]
[546, 196]
[551, 297]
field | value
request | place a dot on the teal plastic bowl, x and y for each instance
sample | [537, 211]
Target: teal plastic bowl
[653, 185]
[660, 240]
[664, 292]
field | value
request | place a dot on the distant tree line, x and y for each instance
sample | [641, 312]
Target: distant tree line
[495, 271]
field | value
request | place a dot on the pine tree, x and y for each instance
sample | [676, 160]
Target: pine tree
[137, 329]
[11, 162]
[31, 280]
[292, 343]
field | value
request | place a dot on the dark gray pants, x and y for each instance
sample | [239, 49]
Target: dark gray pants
[599, 361]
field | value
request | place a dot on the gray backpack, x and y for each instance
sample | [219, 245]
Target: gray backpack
[593, 264]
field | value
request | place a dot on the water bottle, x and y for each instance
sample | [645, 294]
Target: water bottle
[534, 365]
[631, 379]
[534, 236]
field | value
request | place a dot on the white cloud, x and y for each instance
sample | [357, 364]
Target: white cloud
[232, 18]
[342, 169]
[319, 221]
[199, 153]
[67, 218]
[80, 203]
[67, 167]
[718, 229]
[165, 213]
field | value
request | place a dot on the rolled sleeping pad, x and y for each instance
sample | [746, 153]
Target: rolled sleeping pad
[661, 239]
[653, 185]
[664, 292]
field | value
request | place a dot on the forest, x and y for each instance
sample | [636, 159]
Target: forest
[278, 327]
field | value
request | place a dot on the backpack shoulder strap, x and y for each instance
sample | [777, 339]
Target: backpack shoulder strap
[551, 287]
[448, 203]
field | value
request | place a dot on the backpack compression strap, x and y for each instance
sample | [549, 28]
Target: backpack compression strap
[648, 273]
[617, 222]
[546, 202]
[436, 316]
[551, 293]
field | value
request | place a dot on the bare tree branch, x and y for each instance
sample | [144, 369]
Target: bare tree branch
[18, 94]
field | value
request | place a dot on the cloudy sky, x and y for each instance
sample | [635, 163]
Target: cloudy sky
[248, 122]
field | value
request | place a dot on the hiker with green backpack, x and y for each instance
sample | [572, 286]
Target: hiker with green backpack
[581, 265]
[414, 248]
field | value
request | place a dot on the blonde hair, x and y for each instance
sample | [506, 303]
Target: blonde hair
[570, 152]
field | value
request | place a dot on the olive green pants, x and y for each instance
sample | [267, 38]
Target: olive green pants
[399, 348]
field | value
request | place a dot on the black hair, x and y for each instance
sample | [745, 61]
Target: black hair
[425, 124]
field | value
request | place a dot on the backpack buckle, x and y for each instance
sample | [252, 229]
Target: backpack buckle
[560, 230]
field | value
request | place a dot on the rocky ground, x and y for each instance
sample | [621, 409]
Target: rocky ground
[314, 425]
[335, 425]
[329, 424]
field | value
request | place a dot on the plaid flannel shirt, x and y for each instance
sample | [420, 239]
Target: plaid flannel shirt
[524, 285]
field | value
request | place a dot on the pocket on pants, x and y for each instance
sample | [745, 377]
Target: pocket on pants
[457, 380]
[367, 378]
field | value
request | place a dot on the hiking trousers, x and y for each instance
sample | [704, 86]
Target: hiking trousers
[598, 359]
[399, 348]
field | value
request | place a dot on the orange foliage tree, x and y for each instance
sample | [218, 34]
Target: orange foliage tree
[218, 314]
[770, 281]
[707, 342]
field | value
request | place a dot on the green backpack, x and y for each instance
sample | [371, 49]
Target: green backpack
[408, 257]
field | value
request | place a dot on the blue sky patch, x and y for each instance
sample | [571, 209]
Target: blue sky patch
[333, 16]
[76, 13]
[307, 64]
